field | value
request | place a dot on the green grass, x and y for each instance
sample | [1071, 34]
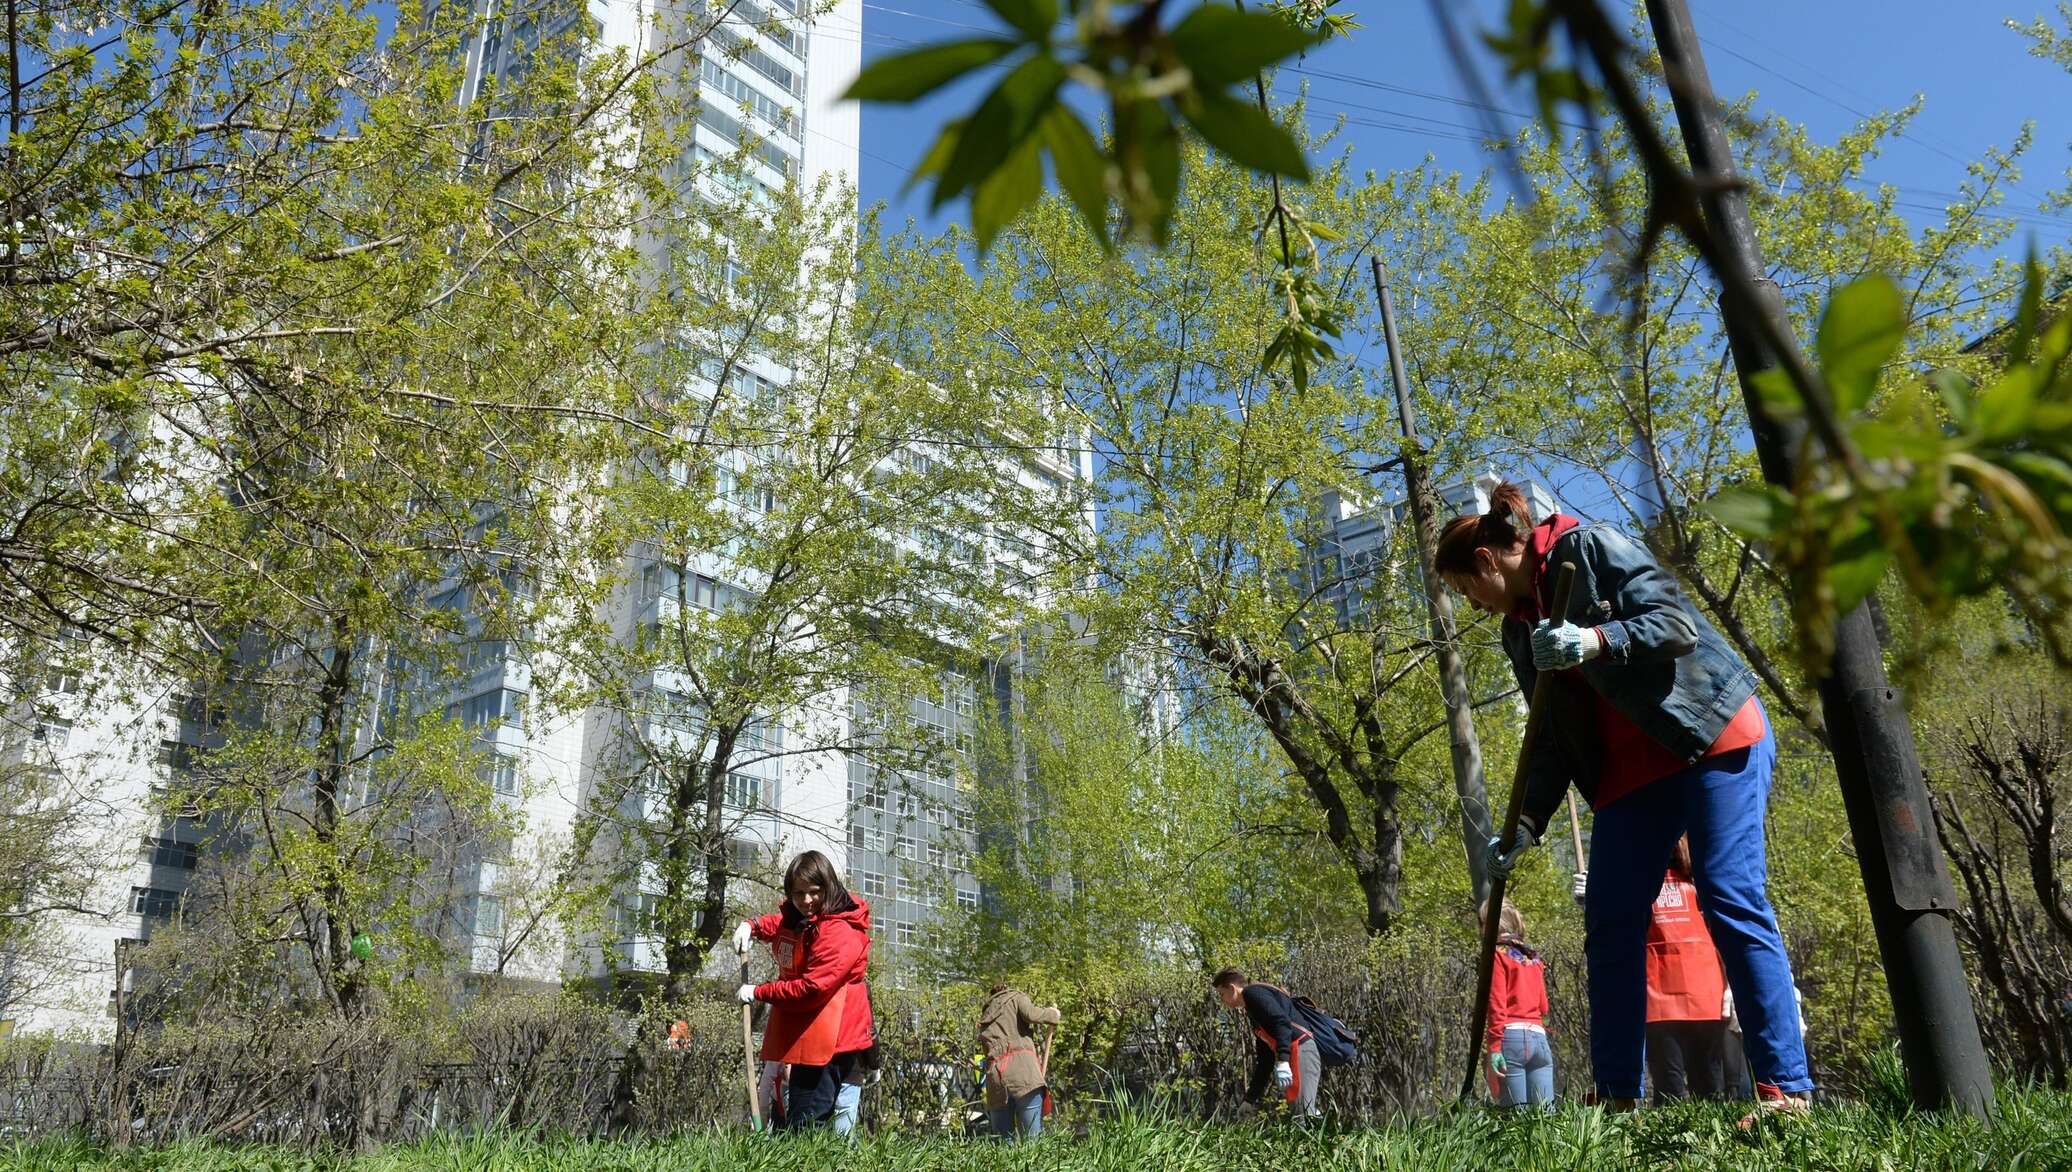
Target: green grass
[2033, 1131]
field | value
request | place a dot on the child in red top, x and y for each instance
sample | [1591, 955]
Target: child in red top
[820, 1016]
[1521, 1065]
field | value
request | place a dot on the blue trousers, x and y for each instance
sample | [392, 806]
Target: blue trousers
[1021, 1118]
[1720, 802]
[1528, 1078]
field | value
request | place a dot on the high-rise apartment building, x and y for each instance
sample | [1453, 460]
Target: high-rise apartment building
[769, 78]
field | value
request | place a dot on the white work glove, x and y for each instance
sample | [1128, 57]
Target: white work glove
[1283, 1075]
[743, 937]
[1563, 646]
[745, 994]
[1499, 860]
[1581, 887]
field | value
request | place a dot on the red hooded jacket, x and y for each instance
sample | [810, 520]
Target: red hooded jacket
[819, 1004]
[1517, 991]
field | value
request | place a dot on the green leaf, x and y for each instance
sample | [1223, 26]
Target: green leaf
[1779, 395]
[1244, 132]
[1035, 18]
[904, 77]
[1860, 331]
[2005, 406]
[1081, 170]
[1857, 564]
[1001, 196]
[1553, 87]
[1882, 439]
[2028, 313]
[1222, 45]
[2050, 477]
[1755, 511]
[1003, 121]
[2052, 348]
[1158, 150]
[1957, 396]
[938, 155]
[2051, 423]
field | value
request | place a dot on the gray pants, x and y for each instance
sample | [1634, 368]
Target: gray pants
[1309, 1068]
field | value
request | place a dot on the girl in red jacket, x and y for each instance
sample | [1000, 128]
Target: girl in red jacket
[820, 1012]
[1521, 1065]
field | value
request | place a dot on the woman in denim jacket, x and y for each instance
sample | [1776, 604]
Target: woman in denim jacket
[1656, 723]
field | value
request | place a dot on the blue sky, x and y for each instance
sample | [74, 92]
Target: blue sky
[1818, 62]
[1822, 63]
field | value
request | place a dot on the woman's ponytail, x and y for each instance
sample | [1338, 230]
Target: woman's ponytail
[1506, 523]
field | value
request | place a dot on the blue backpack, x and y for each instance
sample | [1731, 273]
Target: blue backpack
[1337, 1044]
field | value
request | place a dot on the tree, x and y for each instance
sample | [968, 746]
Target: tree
[1529, 365]
[326, 361]
[1214, 473]
[821, 526]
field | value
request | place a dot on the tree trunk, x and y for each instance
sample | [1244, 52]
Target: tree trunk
[328, 798]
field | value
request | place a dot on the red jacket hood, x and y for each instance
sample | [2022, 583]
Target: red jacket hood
[1538, 544]
[858, 917]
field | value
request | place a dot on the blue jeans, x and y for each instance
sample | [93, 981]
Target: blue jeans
[1720, 802]
[1528, 1077]
[847, 1100]
[1022, 1118]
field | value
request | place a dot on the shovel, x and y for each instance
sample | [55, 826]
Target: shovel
[755, 1108]
[1485, 959]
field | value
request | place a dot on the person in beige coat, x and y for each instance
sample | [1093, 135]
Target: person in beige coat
[1014, 1072]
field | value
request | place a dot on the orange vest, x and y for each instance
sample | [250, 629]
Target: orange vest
[1685, 982]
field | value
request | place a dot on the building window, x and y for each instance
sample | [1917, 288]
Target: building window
[497, 706]
[502, 774]
[907, 847]
[171, 852]
[177, 756]
[868, 838]
[154, 903]
[636, 915]
[968, 900]
[744, 856]
[870, 882]
[908, 890]
[904, 933]
[744, 792]
[52, 732]
[937, 856]
[489, 916]
[498, 847]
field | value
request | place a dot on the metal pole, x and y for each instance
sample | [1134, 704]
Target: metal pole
[1468, 783]
[1904, 876]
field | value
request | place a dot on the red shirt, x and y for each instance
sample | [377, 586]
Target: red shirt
[1631, 758]
[1517, 992]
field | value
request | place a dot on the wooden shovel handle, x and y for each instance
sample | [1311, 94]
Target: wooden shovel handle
[1485, 960]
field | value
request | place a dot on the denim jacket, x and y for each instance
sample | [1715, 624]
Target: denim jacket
[1663, 666]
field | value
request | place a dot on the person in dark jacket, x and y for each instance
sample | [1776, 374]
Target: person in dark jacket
[1281, 1048]
[1654, 719]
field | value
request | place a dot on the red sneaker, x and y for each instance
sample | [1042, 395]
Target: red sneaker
[1773, 1103]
